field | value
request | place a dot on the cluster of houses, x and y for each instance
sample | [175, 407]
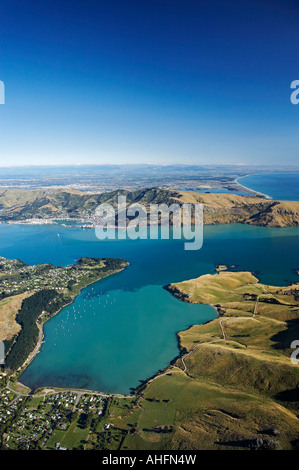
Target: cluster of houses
[23, 422]
[21, 279]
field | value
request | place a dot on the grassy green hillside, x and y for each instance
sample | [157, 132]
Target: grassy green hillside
[234, 385]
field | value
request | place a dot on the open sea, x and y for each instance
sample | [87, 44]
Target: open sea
[279, 186]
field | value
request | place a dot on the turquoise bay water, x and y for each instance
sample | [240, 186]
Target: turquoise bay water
[122, 329]
[279, 186]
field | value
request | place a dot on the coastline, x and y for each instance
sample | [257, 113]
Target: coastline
[40, 326]
[147, 380]
[258, 194]
[136, 390]
[182, 351]
[97, 392]
[181, 376]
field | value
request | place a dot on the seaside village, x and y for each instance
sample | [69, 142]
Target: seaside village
[20, 277]
[46, 420]
[51, 419]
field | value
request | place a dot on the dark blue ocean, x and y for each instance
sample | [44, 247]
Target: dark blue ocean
[279, 186]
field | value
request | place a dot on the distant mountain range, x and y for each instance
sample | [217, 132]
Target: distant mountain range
[17, 204]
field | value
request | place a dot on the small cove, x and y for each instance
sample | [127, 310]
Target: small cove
[122, 330]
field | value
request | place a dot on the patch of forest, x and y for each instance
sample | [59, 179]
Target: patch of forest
[31, 309]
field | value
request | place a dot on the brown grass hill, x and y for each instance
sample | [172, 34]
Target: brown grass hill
[18, 204]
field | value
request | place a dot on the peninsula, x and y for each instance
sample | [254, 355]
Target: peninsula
[50, 205]
[232, 386]
[31, 294]
[244, 353]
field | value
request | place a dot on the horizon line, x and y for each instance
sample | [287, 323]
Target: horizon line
[148, 164]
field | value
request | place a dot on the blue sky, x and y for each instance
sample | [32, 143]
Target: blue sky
[162, 81]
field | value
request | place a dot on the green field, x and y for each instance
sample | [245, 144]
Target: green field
[235, 382]
[233, 386]
[72, 438]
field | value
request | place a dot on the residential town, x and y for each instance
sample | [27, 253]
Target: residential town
[17, 277]
[42, 420]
